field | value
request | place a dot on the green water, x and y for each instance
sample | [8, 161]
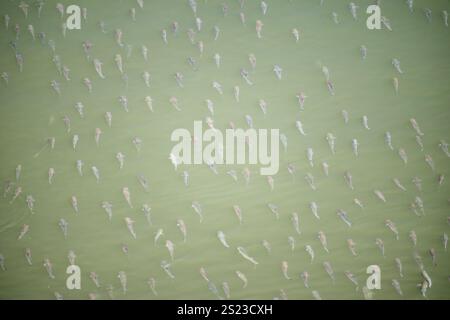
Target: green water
[362, 88]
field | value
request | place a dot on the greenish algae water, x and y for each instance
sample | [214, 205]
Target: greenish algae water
[362, 88]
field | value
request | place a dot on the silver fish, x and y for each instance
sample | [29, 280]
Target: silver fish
[329, 270]
[244, 254]
[222, 238]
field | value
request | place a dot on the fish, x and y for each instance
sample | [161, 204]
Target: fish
[295, 222]
[310, 251]
[323, 240]
[386, 23]
[358, 203]
[330, 87]
[350, 276]
[152, 284]
[129, 222]
[398, 263]
[137, 142]
[123, 100]
[236, 93]
[305, 277]
[18, 172]
[423, 288]
[353, 8]
[380, 245]
[7, 187]
[413, 237]
[226, 290]
[344, 217]
[94, 277]
[418, 183]
[71, 256]
[158, 234]
[284, 270]
[127, 195]
[316, 295]
[74, 202]
[345, 116]
[243, 278]
[146, 78]
[427, 278]
[108, 118]
[363, 51]
[352, 247]
[75, 140]
[396, 64]
[171, 248]
[331, 139]
[416, 127]
[365, 122]
[246, 174]
[217, 58]
[64, 226]
[278, 71]
[182, 226]
[143, 181]
[198, 209]
[392, 227]
[398, 184]
[263, 106]
[17, 193]
[329, 270]
[291, 170]
[410, 4]
[396, 84]
[441, 178]
[397, 287]
[296, 34]
[49, 268]
[96, 173]
[355, 146]
[23, 231]
[267, 246]
[2, 262]
[314, 209]
[428, 14]
[28, 256]
[430, 162]
[146, 210]
[216, 30]
[309, 156]
[98, 68]
[222, 238]
[212, 287]
[420, 143]
[204, 274]
[325, 168]
[380, 195]
[79, 165]
[123, 281]
[238, 212]
[30, 203]
[432, 253]
[80, 109]
[259, 26]
[291, 242]
[310, 180]
[244, 254]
